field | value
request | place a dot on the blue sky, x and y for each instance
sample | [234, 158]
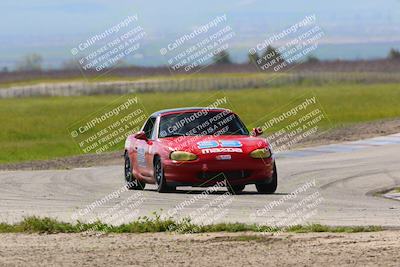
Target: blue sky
[52, 27]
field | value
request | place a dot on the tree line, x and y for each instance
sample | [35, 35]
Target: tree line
[34, 62]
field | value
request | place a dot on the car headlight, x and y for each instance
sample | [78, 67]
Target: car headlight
[182, 156]
[261, 153]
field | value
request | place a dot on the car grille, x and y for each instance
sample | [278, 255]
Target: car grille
[220, 176]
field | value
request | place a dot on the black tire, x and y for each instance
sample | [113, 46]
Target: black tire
[130, 181]
[162, 186]
[269, 188]
[235, 189]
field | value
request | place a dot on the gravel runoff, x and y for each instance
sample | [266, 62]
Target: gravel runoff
[215, 249]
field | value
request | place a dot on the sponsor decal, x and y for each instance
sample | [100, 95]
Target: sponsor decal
[207, 144]
[222, 150]
[230, 143]
[223, 157]
[141, 157]
[127, 143]
[222, 143]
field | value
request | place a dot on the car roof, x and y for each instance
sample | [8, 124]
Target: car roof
[183, 110]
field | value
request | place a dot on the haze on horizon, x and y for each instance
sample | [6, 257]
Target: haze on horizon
[354, 29]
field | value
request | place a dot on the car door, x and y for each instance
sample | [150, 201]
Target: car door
[143, 149]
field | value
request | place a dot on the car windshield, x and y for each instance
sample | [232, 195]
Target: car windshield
[201, 123]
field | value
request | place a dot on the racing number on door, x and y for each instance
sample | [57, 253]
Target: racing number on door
[141, 156]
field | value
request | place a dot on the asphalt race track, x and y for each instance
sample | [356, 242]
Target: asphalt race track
[332, 185]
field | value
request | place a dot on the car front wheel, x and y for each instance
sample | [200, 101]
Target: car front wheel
[162, 186]
[269, 188]
[131, 182]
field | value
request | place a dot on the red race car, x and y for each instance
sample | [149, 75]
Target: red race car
[198, 147]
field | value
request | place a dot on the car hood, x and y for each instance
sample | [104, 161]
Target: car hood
[216, 144]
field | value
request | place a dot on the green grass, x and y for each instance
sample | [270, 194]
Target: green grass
[154, 225]
[36, 128]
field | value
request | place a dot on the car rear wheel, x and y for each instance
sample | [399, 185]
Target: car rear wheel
[235, 189]
[162, 186]
[269, 188]
[131, 182]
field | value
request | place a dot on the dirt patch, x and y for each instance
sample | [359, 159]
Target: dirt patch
[392, 194]
[346, 133]
[80, 161]
[354, 132]
[216, 249]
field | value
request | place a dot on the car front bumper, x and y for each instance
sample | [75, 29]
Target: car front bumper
[209, 172]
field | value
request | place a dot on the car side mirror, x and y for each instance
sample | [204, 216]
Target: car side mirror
[141, 136]
[256, 131]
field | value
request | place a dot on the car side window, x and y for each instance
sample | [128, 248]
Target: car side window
[149, 127]
[154, 134]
